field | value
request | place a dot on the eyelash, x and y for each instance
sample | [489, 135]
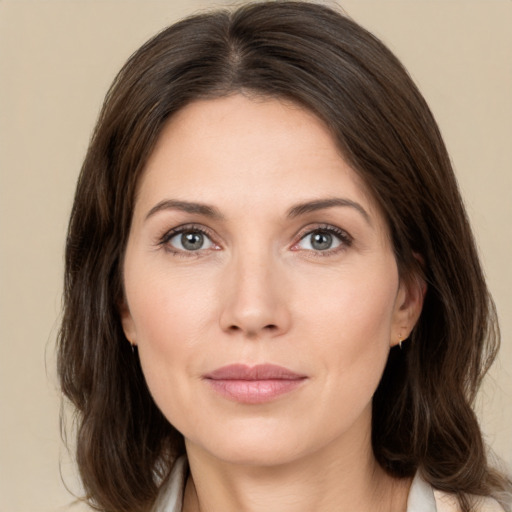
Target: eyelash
[187, 228]
[345, 239]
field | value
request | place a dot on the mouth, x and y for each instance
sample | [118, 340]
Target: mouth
[253, 384]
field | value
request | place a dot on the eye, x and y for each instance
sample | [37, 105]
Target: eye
[189, 240]
[324, 240]
[319, 241]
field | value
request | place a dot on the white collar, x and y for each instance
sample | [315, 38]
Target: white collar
[170, 499]
[421, 496]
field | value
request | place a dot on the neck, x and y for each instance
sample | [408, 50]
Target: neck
[340, 476]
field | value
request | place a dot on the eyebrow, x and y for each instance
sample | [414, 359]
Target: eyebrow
[294, 211]
[322, 204]
[186, 206]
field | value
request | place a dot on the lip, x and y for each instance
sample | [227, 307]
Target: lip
[253, 384]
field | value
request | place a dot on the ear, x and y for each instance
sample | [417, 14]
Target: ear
[408, 306]
[127, 321]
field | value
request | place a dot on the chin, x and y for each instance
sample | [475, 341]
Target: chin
[266, 455]
[260, 444]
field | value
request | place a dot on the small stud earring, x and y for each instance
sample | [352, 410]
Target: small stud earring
[400, 341]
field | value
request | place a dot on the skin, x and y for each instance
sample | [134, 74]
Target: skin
[259, 291]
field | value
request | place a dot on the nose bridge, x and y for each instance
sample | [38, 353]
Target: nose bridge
[254, 302]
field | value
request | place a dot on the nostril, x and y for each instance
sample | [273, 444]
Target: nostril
[253, 332]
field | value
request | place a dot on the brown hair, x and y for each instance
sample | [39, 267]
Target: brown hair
[316, 57]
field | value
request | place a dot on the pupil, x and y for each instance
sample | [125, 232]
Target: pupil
[321, 241]
[192, 241]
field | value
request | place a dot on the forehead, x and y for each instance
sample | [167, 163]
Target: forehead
[251, 151]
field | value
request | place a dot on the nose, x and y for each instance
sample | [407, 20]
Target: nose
[254, 297]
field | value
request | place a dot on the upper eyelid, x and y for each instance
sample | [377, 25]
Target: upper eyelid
[307, 230]
[187, 227]
[163, 241]
[345, 238]
[343, 234]
[170, 233]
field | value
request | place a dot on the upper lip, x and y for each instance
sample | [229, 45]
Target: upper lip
[258, 372]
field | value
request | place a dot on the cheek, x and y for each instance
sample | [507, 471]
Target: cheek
[352, 320]
[171, 315]
[354, 305]
[172, 318]
[167, 308]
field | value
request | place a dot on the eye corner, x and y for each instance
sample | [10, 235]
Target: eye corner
[334, 240]
[174, 241]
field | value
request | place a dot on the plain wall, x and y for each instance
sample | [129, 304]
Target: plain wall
[57, 59]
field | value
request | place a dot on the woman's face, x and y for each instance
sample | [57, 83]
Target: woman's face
[261, 286]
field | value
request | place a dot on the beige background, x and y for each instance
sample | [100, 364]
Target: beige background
[57, 59]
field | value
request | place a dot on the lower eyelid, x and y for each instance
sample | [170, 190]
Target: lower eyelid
[344, 239]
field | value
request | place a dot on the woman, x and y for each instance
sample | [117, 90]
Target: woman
[273, 299]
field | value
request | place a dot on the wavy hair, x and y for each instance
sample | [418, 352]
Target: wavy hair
[318, 58]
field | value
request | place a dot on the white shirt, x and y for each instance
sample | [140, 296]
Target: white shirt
[422, 497]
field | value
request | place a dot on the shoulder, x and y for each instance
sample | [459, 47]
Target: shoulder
[448, 503]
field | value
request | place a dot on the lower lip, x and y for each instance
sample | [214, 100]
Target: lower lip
[254, 391]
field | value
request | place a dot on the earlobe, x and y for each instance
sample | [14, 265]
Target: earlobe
[408, 307]
[127, 322]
